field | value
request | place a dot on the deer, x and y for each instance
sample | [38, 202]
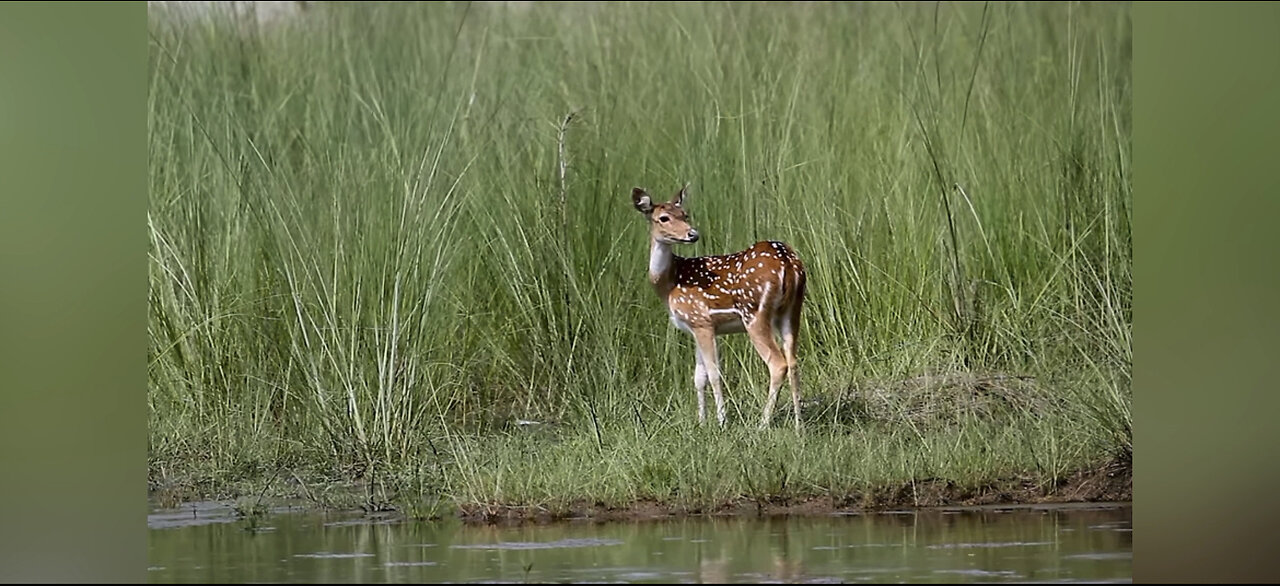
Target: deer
[758, 291]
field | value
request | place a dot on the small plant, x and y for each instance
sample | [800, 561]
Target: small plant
[252, 513]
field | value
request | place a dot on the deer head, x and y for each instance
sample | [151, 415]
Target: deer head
[668, 222]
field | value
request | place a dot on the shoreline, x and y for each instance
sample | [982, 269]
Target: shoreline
[1109, 484]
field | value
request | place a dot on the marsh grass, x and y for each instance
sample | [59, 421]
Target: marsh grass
[379, 246]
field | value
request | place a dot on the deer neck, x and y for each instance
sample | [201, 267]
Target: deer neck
[662, 267]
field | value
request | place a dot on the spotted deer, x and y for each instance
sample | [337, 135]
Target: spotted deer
[758, 291]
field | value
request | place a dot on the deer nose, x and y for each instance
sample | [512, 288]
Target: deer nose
[693, 235]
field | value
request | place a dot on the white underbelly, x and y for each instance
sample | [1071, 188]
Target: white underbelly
[726, 321]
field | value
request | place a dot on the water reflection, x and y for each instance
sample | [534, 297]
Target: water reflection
[1070, 544]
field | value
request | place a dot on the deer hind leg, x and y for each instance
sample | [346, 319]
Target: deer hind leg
[761, 332]
[790, 330]
[709, 364]
[790, 327]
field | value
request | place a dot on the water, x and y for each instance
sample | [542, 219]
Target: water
[1094, 543]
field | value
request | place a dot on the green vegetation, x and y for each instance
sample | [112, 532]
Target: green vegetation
[383, 235]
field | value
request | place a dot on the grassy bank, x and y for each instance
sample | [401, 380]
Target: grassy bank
[382, 236]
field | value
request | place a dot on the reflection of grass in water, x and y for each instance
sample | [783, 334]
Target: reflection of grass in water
[739, 549]
[252, 513]
[362, 268]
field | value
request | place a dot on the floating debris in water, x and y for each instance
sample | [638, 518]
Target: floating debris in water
[332, 555]
[563, 543]
[985, 545]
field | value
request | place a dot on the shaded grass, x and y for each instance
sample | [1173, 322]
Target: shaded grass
[377, 245]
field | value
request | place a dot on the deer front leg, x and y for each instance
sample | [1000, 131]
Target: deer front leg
[710, 363]
[700, 384]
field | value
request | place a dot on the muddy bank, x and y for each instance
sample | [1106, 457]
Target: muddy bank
[1111, 482]
[1108, 483]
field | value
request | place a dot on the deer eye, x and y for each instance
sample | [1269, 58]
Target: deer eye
[664, 219]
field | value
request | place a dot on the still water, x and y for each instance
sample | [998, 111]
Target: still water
[1080, 543]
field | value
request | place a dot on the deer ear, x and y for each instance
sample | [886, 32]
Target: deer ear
[678, 200]
[640, 198]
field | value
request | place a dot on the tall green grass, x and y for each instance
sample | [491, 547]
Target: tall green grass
[381, 234]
